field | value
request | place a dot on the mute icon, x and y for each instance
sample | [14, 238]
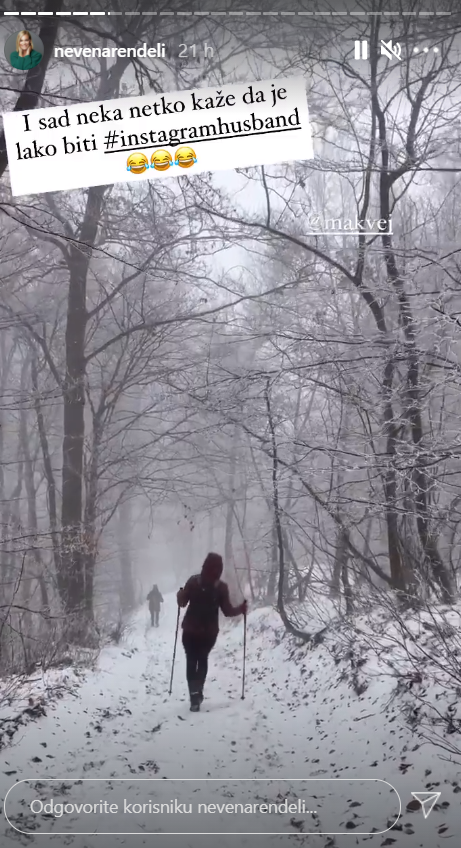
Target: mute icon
[392, 51]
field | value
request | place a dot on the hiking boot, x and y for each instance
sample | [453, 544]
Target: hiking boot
[195, 697]
[195, 702]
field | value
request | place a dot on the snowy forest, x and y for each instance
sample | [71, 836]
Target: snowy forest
[188, 367]
[239, 362]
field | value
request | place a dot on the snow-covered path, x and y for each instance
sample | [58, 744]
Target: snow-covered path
[298, 721]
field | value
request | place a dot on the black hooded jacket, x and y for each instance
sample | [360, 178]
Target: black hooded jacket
[204, 595]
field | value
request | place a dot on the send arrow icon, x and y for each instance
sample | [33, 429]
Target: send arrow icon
[427, 800]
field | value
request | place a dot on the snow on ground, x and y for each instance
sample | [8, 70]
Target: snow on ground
[328, 712]
[23, 699]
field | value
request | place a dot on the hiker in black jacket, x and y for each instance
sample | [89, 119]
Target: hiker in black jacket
[204, 595]
[155, 600]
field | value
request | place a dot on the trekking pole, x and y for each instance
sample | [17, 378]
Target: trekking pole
[244, 653]
[174, 651]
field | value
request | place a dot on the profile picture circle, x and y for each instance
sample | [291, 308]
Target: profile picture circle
[24, 50]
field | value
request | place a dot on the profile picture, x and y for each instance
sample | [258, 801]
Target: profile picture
[24, 50]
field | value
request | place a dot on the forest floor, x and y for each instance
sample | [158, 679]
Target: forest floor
[372, 703]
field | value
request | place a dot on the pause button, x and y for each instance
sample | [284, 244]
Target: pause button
[361, 50]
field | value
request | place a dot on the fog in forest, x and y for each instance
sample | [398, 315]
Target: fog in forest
[217, 363]
[187, 367]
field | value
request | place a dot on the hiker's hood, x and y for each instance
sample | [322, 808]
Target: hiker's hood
[212, 568]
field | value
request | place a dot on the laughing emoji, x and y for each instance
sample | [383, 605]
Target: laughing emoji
[137, 163]
[161, 160]
[185, 157]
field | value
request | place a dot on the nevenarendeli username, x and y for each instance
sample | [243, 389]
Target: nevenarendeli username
[59, 809]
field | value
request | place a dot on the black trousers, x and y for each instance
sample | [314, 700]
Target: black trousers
[154, 617]
[197, 648]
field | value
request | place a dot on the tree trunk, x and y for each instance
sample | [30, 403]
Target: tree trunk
[76, 600]
[278, 532]
[29, 481]
[347, 587]
[390, 483]
[127, 593]
[340, 562]
[90, 548]
[228, 553]
[5, 366]
[272, 582]
[292, 560]
[11, 521]
[241, 528]
[413, 399]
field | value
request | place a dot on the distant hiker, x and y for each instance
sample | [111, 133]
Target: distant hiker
[206, 594]
[155, 600]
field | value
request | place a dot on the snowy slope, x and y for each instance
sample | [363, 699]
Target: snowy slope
[302, 718]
